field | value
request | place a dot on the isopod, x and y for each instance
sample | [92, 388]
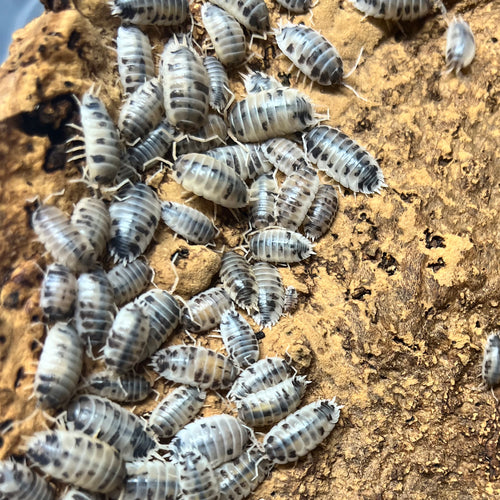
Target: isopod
[59, 367]
[395, 10]
[280, 245]
[58, 292]
[322, 212]
[271, 113]
[210, 179]
[197, 479]
[225, 33]
[291, 300]
[284, 155]
[271, 294]
[490, 370]
[256, 81]
[134, 219]
[220, 93]
[344, 160]
[159, 12]
[128, 280]
[176, 410]
[203, 311]
[253, 14]
[195, 365]
[122, 388]
[460, 45]
[74, 457]
[111, 423]
[262, 197]
[188, 222]
[296, 6]
[302, 431]
[19, 482]
[77, 494]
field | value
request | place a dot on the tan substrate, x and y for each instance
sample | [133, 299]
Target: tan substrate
[397, 303]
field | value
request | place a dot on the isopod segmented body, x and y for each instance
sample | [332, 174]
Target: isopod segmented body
[219, 438]
[271, 294]
[344, 160]
[176, 410]
[19, 482]
[271, 405]
[76, 458]
[91, 217]
[210, 179]
[197, 479]
[291, 299]
[63, 240]
[128, 280]
[160, 12]
[225, 33]
[238, 279]
[77, 494]
[302, 431]
[396, 10]
[271, 113]
[296, 6]
[135, 58]
[265, 373]
[59, 367]
[58, 292]
[262, 197]
[203, 311]
[322, 212]
[124, 388]
[134, 219]
[220, 93]
[460, 45]
[284, 155]
[279, 245]
[256, 81]
[239, 339]
[253, 14]
[490, 370]
[311, 52]
[188, 222]
[111, 423]
[194, 365]
[95, 308]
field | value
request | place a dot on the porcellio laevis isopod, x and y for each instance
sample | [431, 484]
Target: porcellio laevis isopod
[284, 155]
[151, 480]
[280, 246]
[344, 160]
[271, 294]
[253, 14]
[59, 367]
[203, 311]
[95, 308]
[239, 339]
[19, 482]
[186, 86]
[219, 438]
[220, 93]
[311, 52]
[271, 113]
[197, 479]
[188, 222]
[135, 58]
[58, 292]
[159, 12]
[239, 477]
[164, 315]
[124, 388]
[142, 111]
[238, 279]
[291, 300]
[102, 142]
[302, 431]
[128, 280]
[210, 179]
[63, 240]
[111, 423]
[271, 405]
[396, 10]
[195, 365]
[490, 370]
[265, 373]
[296, 6]
[460, 45]
[74, 457]
[91, 217]
[134, 219]
[175, 410]
[322, 212]
[262, 196]
[127, 339]
[225, 33]
[76, 494]
[256, 81]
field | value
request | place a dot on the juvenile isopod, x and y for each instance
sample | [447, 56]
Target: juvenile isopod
[460, 45]
[322, 212]
[220, 93]
[177, 409]
[225, 33]
[253, 14]
[256, 81]
[344, 160]
[271, 294]
[296, 6]
[195, 365]
[78, 459]
[271, 113]
[490, 370]
[291, 300]
[188, 222]
[262, 197]
[128, 280]
[134, 218]
[197, 479]
[160, 12]
[284, 155]
[280, 245]
[122, 388]
[210, 179]
[58, 292]
[395, 10]
[111, 423]
[19, 482]
[302, 431]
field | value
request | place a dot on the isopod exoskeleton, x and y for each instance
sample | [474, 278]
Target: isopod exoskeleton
[78, 494]
[284, 155]
[159, 12]
[490, 370]
[262, 197]
[279, 246]
[19, 482]
[344, 160]
[291, 300]
[197, 479]
[220, 93]
[271, 294]
[256, 81]
[128, 280]
[460, 45]
[322, 212]
[123, 388]
[58, 292]
[253, 14]
[296, 6]
[395, 10]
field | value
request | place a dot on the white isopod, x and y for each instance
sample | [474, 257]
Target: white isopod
[122, 388]
[395, 10]
[197, 479]
[128, 280]
[58, 292]
[19, 482]
[77, 494]
[220, 93]
[284, 155]
[344, 160]
[490, 370]
[256, 81]
[280, 246]
[262, 197]
[253, 14]
[460, 45]
[322, 212]
[296, 6]
[291, 300]
[159, 12]
[271, 294]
